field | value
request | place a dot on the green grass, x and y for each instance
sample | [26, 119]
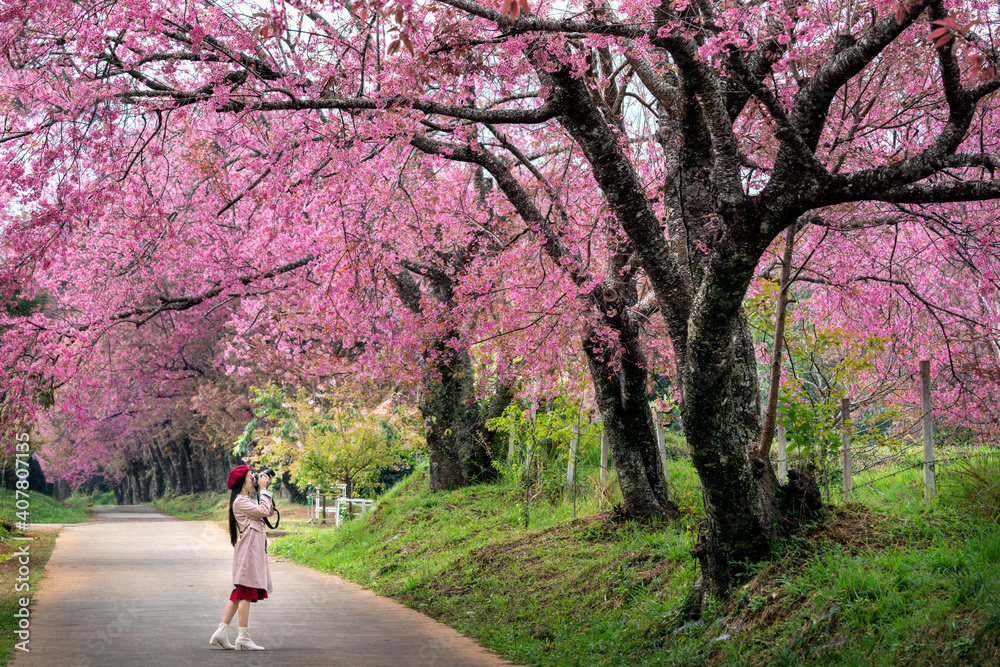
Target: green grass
[973, 486]
[81, 500]
[40, 550]
[896, 582]
[41, 509]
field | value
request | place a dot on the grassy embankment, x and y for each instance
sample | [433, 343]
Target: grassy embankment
[893, 581]
[42, 509]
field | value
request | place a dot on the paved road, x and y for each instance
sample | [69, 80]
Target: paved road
[137, 588]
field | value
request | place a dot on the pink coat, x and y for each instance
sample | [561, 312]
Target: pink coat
[250, 556]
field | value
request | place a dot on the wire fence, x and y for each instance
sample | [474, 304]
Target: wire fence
[873, 465]
[875, 472]
[897, 465]
[859, 467]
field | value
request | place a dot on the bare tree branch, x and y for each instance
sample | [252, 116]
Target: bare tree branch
[168, 303]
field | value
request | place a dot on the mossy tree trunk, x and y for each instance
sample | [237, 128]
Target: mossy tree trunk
[450, 415]
[621, 389]
[447, 403]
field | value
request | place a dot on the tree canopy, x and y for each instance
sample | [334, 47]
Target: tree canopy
[451, 192]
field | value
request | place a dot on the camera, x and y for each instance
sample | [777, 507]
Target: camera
[269, 471]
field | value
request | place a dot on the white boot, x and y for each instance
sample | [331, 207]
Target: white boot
[244, 643]
[221, 637]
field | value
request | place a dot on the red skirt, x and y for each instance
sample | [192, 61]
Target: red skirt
[246, 593]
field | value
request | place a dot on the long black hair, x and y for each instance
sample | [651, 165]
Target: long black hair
[237, 488]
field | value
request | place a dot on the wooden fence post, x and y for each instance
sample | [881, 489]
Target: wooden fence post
[572, 455]
[845, 413]
[604, 465]
[928, 419]
[530, 460]
[782, 455]
[661, 442]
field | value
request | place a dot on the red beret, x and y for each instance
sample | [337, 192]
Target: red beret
[236, 474]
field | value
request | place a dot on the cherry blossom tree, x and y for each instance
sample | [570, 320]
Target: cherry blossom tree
[706, 127]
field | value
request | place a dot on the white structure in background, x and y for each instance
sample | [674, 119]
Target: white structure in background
[322, 505]
[333, 506]
[348, 508]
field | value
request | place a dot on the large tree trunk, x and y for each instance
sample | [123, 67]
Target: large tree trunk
[225, 464]
[448, 403]
[296, 494]
[621, 391]
[141, 479]
[449, 410]
[182, 471]
[628, 424]
[215, 467]
[195, 464]
[721, 410]
[155, 477]
[36, 476]
[169, 467]
[128, 484]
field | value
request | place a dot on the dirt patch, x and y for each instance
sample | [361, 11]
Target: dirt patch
[651, 575]
[594, 527]
[854, 526]
[778, 611]
[542, 633]
[494, 554]
[591, 520]
[987, 639]
[756, 608]
[497, 554]
[599, 527]
[455, 590]
[294, 512]
[592, 574]
[671, 513]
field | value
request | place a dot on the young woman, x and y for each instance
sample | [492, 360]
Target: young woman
[251, 576]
